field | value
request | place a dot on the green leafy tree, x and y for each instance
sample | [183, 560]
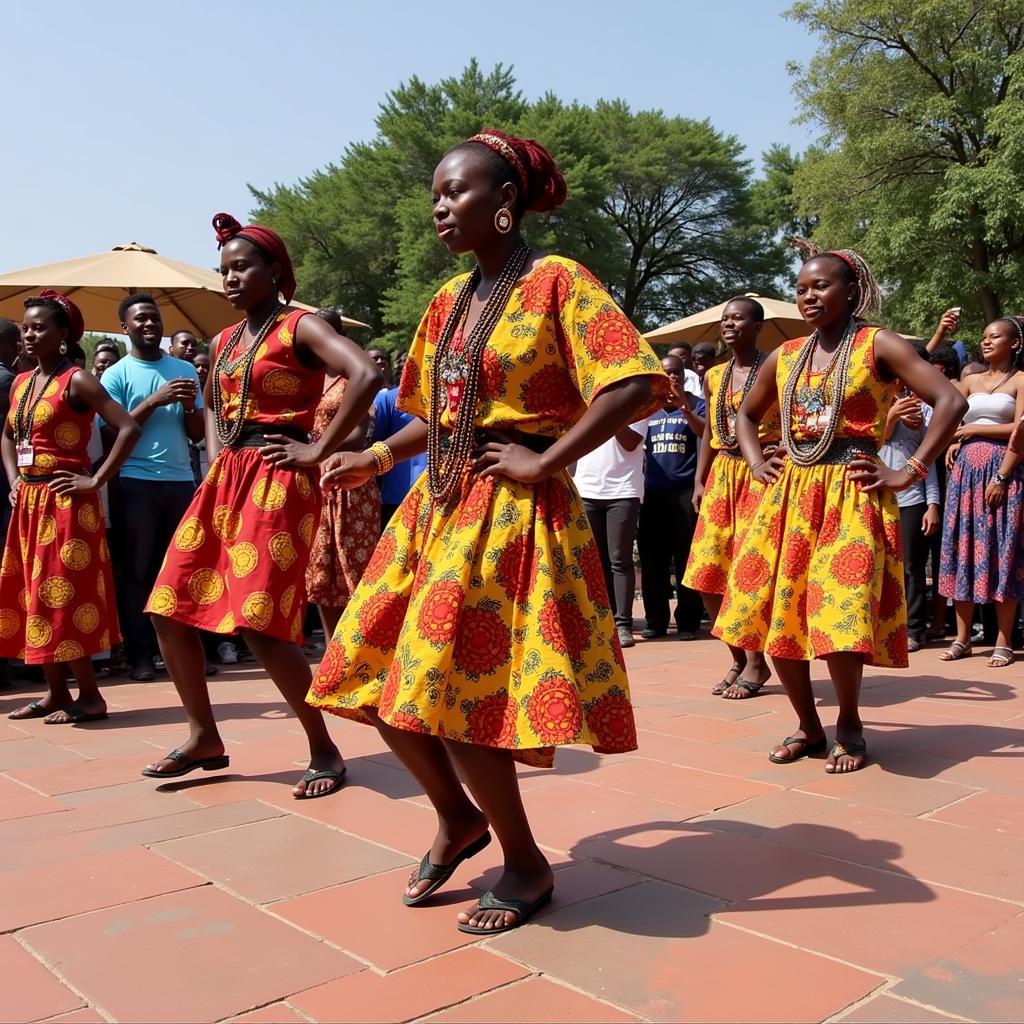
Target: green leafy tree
[922, 164]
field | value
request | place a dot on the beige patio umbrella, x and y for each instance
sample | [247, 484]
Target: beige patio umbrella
[190, 298]
[782, 321]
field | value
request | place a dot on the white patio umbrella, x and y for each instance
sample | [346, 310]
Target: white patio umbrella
[782, 321]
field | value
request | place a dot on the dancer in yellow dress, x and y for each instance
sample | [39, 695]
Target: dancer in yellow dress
[481, 631]
[725, 494]
[819, 573]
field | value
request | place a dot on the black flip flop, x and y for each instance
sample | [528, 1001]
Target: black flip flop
[753, 689]
[438, 874]
[208, 764]
[523, 911]
[76, 716]
[323, 773]
[855, 748]
[35, 709]
[817, 747]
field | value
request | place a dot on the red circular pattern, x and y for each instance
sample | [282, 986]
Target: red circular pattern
[896, 645]
[719, 512]
[474, 507]
[893, 539]
[564, 628]
[330, 673]
[382, 557]
[381, 618]
[710, 579]
[550, 392]
[439, 612]
[611, 720]
[411, 510]
[492, 721]
[482, 642]
[554, 507]
[752, 572]
[409, 385]
[871, 517]
[408, 722]
[787, 647]
[812, 504]
[829, 532]
[510, 569]
[821, 643]
[593, 575]
[440, 308]
[815, 598]
[492, 375]
[854, 564]
[389, 692]
[796, 556]
[546, 289]
[554, 710]
[860, 410]
[611, 339]
[892, 596]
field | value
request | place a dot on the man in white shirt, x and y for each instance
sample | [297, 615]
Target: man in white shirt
[611, 483]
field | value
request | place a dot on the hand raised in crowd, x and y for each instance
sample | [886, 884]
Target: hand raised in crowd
[347, 470]
[768, 472]
[950, 320]
[179, 390]
[66, 482]
[286, 452]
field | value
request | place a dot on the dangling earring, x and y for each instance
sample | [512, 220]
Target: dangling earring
[503, 221]
[63, 348]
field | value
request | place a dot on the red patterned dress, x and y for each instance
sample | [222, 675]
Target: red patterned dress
[489, 623]
[56, 588]
[239, 556]
[349, 525]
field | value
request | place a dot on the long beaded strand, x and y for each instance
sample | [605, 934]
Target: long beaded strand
[721, 417]
[228, 431]
[444, 471]
[841, 362]
[22, 422]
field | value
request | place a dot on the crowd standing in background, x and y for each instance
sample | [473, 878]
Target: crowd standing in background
[831, 499]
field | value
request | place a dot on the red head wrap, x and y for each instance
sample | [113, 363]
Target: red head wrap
[75, 318]
[265, 239]
[541, 184]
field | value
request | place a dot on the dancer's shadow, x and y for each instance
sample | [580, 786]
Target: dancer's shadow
[720, 856]
[900, 688]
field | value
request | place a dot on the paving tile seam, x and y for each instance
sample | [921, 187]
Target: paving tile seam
[29, 789]
[890, 979]
[261, 1006]
[63, 979]
[887, 990]
[668, 803]
[926, 815]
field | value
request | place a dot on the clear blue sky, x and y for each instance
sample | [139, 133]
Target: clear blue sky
[139, 121]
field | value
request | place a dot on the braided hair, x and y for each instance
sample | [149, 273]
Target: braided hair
[1017, 326]
[855, 270]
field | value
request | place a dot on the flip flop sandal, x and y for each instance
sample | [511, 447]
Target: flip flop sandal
[523, 911]
[34, 708]
[997, 660]
[957, 650]
[438, 874]
[753, 689]
[208, 764]
[809, 748]
[851, 749]
[719, 688]
[76, 716]
[312, 775]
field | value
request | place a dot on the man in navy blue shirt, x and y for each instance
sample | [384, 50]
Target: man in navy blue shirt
[396, 483]
[667, 517]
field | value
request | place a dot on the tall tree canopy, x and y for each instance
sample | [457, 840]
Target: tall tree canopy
[922, 110]
[659, 208]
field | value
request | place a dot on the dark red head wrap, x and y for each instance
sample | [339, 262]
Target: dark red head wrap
[265, 239]
[541, 184]
[75, 318]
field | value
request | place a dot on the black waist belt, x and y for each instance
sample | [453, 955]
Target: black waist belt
[254, 435]
[44, 479]
[535, 442]
[842, 451]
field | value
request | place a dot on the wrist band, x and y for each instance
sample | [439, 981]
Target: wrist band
[383, 460]
[915, 467]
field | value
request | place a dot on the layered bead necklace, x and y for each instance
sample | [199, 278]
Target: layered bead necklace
[455, 376]
[725, 418]
[812, 398]
[228, 431]
[25, 414]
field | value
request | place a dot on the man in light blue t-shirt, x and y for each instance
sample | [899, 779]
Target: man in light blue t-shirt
[156, 482]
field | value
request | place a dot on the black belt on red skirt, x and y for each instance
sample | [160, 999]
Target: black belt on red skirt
[535, 442]
[734, 453]
[44, 479]
[843, 450]
[254, 435]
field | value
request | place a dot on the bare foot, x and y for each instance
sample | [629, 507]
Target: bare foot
[451, 839]
[330, 761]
[194, 750]
[527, 886]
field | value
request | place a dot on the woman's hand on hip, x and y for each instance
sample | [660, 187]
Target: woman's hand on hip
[289, 454]
[514, 461]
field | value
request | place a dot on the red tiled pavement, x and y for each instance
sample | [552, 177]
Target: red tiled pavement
[893, 895]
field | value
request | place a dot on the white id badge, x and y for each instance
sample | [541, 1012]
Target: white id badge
[26, 456]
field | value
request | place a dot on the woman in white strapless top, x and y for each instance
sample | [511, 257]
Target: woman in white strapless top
[982, 559]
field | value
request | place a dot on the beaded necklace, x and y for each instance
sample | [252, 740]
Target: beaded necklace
[812, 399]
[23, 420]
[459, 368]
[723, 400]
[228, 431]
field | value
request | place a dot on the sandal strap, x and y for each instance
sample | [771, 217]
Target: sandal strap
[177, 756]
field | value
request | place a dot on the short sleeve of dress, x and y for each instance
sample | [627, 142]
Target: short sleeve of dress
[414, 387]
[602, 347]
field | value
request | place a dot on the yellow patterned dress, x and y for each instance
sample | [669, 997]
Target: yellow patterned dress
[820, 570]
[731, 496]
[490, 624]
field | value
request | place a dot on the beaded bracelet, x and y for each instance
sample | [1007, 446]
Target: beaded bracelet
[383, 460]
[915, 467]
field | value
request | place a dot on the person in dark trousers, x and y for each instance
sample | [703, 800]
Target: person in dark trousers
[667, 517]
[156, 482]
